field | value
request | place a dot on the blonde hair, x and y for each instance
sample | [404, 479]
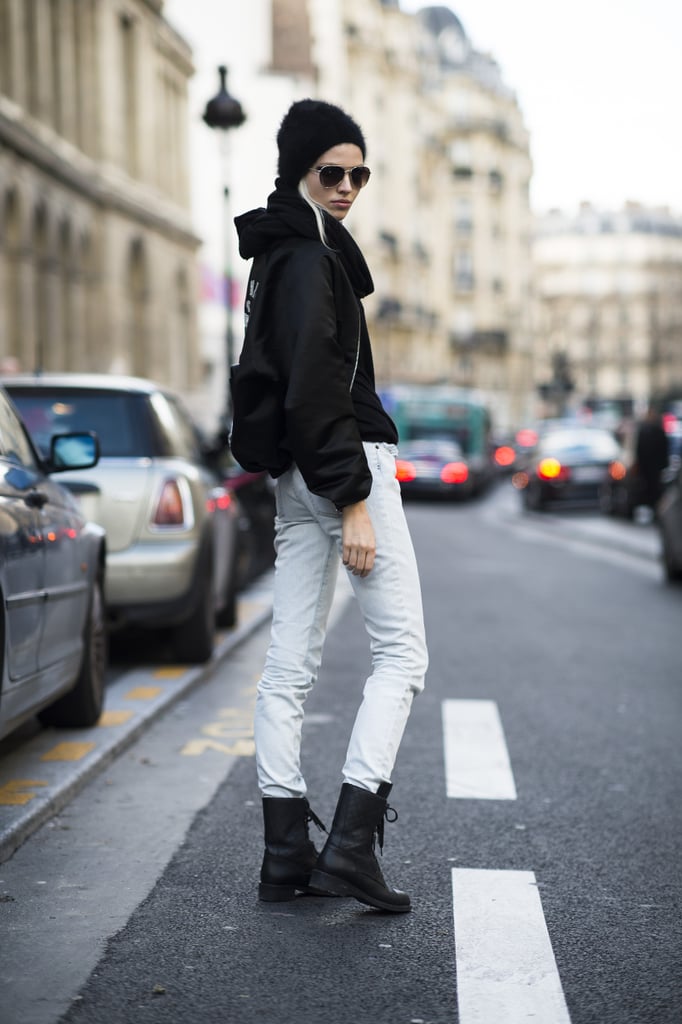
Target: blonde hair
[317, 210]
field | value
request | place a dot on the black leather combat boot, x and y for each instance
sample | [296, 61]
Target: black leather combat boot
[348, 865]
[289, 852]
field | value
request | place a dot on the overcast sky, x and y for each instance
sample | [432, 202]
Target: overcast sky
[600, 86]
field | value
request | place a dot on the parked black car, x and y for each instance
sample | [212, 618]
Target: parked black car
[52, 569]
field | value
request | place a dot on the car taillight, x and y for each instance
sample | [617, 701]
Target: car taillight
[504, 455]
[404, 470]
[551, 469]
[617, 471]
[170, 507]
[455, 473]
[526, 438]
[221, 500]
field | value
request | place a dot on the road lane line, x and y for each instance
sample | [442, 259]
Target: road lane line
[477, 763]
[506, 969]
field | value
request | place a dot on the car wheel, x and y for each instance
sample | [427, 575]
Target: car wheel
[532, 499]
[193, 639]
[82, 706]
[606, 502]
[226, 618]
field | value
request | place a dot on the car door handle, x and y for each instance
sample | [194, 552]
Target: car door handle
[36, 499]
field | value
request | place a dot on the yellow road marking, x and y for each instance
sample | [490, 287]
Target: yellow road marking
[11, 795]
[68, 752]
[169, 672]
[241, 748]
[114, 717]
[143, 693]
[227, 728]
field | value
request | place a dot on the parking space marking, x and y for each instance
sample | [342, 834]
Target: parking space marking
[506, 969]
[113, 717]
[68, 751]
[234, 725]
[16, 792]
[477, 763]
[169, 672]
[143, 693]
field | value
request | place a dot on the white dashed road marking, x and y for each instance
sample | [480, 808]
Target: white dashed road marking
[506, 971]
[476, 760]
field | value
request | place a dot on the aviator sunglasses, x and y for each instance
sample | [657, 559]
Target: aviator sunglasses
[332, 175]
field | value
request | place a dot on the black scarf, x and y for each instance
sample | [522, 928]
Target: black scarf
[288, 214]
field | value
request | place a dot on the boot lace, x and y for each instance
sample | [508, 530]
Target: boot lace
[311, 816]
[390, 815]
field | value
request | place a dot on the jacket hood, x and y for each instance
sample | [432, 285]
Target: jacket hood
[286, 215]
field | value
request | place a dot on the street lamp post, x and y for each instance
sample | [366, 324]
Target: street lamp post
[225, 112]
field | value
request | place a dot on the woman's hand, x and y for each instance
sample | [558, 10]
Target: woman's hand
[359, 544]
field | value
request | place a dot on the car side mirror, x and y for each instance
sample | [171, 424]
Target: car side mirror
[73, 451]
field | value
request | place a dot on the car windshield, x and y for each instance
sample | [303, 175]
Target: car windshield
[588, 443]
[439, 449]
[111, 414]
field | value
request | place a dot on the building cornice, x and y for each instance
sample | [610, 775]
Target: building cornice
[84, 177]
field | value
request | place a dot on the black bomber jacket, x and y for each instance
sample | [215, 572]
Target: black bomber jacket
[291, 390]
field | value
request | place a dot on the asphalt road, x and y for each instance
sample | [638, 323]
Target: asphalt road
[539, 818]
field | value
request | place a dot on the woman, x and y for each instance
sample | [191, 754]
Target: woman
[306, 409]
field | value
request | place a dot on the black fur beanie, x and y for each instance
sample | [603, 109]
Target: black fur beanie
[309, 128]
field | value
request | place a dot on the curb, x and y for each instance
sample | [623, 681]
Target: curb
[126, 717]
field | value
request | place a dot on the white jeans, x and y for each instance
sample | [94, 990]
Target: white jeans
[308, 545]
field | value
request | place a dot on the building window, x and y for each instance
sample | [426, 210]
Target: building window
[5, 49]
[128, 94]
[464, 271]
[464, 216]
[32, 57]
[460, 154]
[495, 180]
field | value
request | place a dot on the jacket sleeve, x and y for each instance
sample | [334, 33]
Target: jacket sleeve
[322, 430]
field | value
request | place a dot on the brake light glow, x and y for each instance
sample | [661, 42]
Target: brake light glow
[170, 507]
[222, 502]
[617, 471]
[551, 469]
[404, 470]
[455, 473]
[504, 455]
[526, 438]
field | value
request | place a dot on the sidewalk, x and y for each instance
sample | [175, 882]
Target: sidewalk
[39, 778]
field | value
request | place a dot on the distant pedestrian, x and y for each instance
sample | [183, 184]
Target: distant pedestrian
[306, 409]
[652, 455]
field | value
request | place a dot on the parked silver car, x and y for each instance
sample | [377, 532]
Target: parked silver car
[171, 523]
[52, 569]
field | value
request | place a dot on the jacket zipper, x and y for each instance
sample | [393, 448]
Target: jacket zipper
[357, 353]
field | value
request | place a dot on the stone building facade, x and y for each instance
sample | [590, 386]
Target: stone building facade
[97, 252]
[609, 303]
[447, 227]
